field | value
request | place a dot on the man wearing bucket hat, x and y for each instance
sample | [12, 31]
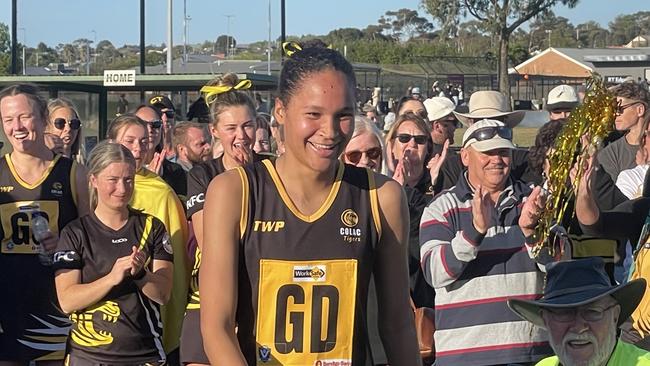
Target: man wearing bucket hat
[485, 104]
[561, 101]
[582, 311]
[443, 123]
[473, 251]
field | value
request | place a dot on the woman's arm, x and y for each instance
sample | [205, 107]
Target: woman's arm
[74, 295]
[218, 278]
[396, 322]
[81, 182]
[197, 225]
[157, 284]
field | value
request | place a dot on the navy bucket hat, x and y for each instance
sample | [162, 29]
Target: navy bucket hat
[579, 282]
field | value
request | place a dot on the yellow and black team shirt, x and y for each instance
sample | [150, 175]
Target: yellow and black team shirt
[125, 326]
[198, 180]
[304, 279]
[31, 324]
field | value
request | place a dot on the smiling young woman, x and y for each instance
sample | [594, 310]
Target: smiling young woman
[34, 182]
[296, 239]
[117, 262]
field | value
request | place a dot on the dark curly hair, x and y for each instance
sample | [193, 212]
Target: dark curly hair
[544, 141]
[313, 57]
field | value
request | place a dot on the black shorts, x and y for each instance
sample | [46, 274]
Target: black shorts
[31, 325]
[191, 339]
[72, 360]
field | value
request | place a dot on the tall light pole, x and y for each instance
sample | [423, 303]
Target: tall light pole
[170, 45]
[228, 38]
[549, 32]
[95, 43]
[24, 46]
[186, 25]
[268, 46]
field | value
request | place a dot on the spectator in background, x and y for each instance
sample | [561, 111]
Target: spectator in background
[582, 312]
[64, 122]
[262, 135]
[122, 105]
[561, 101]
[155, 160]
[366, 146]
[443, 122]
[484, 104]
[167, 113]
[415, 93]
[476, 242]
[632, 116]
[190, 140]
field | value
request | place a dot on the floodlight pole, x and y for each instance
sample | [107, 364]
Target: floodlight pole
[170, 46]
[14, 37]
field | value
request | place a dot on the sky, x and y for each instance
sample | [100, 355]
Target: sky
[55, 22]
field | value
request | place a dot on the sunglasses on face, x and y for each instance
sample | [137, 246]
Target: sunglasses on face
[405, 138]
[155, 123]
[355, 156]
[169, 113]
[620, 108]
[74, 123]
[487, 133]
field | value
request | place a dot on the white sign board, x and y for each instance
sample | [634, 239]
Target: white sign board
[119, 77]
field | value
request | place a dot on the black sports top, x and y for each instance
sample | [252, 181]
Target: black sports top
[125, 326]
[303, 280]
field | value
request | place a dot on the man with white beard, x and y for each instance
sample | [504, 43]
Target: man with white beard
[582, 311]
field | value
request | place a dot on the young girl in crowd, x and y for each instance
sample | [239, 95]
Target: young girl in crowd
[233, 123]
[113, 270]
[153, 196]
[289, 245]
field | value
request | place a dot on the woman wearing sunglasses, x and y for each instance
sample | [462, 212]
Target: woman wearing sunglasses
[409, 140]
[64, 123]
[365, 148]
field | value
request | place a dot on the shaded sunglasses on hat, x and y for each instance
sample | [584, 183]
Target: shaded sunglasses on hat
[74, 123]
[487, 133]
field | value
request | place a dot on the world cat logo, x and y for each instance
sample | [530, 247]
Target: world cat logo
[349, 232]
[309, 273]
[57, 189]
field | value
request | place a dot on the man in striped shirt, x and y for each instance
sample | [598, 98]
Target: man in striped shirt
[474, 252]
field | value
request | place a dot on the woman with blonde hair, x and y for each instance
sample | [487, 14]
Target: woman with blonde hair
[64, 123]
[155, 197]
[233, 123]
[116, 261]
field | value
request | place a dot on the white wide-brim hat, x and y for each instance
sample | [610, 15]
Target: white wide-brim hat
[490, 104]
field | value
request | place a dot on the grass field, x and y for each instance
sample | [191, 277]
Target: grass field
[523, 136]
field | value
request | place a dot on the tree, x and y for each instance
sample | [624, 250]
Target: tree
[550, 30]
[501, 18]
[5, 50]
[589, 32]
[405, 24]
[222, 43]
[625, 27]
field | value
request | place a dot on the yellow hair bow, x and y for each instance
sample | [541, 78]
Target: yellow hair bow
[212, 91]
[290, 48]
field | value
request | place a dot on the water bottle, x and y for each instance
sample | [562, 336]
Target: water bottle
[41, 231]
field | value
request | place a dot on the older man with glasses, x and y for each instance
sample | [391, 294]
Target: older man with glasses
[582, 312]
[475, 252]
